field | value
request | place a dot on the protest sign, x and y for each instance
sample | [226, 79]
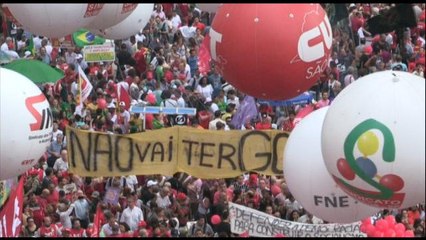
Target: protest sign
[112, 195]
[99, 53]
[200, 153]
[260, 224]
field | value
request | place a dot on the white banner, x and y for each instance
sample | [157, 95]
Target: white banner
[259, 224]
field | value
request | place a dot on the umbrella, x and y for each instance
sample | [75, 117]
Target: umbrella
[5, 58]
[36, 71]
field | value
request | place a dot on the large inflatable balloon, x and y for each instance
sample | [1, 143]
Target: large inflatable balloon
[209, 7]
[308, 178]
[54, 20]
[373, 139]
[129, 26]
[271, 51]
[26, 124]
[112, 14]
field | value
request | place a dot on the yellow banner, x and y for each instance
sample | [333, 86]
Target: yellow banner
[200, 153]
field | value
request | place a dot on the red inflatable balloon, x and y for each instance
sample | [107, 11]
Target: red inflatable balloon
[391, 220]
[399, 233]
[390, 233]
[399, 227]
[271, 51]
[378, 233]
[215, 219]
[370, 229]
[393, 182]
[382, 225]
[151, 99]
[102, 104]
[409, 233]
[345, 169]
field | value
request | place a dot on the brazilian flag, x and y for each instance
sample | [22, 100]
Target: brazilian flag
[83, 37]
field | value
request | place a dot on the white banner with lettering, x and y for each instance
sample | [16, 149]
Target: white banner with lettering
[259, 224]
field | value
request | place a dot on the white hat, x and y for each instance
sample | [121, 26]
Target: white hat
[79, 56]
[27, 54]
[151, 183]
[352, 5]
[122, 104]
[111, 105]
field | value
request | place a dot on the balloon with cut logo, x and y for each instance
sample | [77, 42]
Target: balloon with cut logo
[315, 190]
[131, 25]
[112, 14]
[381, 135]
[54, 20]
[271, 51]
[26, 124]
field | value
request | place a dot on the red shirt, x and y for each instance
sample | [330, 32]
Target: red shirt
[263, 126]
[53, 197]
[149, 119]
[139, 57]
[41, 202]
[357, 22]
[288, 125]
[184, 9]
[167, 8]
[76, 232]
[51, 231]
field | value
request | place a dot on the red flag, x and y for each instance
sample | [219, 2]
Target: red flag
[123, 96]
[97, 222]
[204, 56]
[11, 215]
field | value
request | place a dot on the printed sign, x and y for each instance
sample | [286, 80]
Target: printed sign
[99, 53]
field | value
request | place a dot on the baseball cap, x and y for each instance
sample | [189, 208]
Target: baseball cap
[27, 54]
[122, 104]
[111, 105]
[151, 183]
[79, 56]
[95, 194]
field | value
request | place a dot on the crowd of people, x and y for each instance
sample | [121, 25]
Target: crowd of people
[159, 67]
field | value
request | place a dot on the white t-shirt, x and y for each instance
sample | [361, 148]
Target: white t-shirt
[60, 165]
[55, 134]
[4, 47]
[163, 202]
[131, 182]
[206, 91]
[176, 21]
[132, 217]
[161, 14]
[140, 38]
[188, 32]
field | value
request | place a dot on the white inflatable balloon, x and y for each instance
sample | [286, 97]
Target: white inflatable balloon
[54, 20]
[112, 14]
[129, 26]
[209, 7]
[26, 124]
[373, 139]
[308, 178]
